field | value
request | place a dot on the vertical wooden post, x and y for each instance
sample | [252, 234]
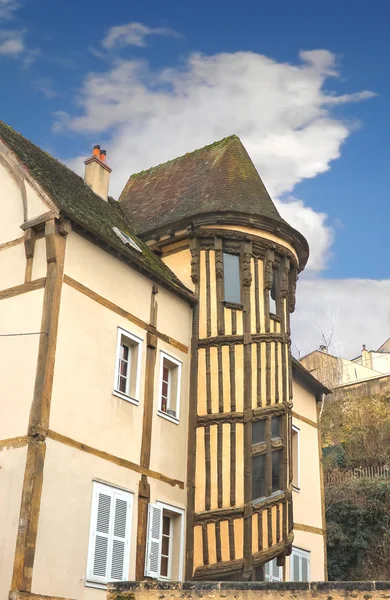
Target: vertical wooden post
[40, 408]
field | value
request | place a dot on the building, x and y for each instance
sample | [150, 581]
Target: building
[367, 374]
[146, 379]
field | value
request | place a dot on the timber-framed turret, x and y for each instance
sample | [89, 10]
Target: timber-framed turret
[216, 227]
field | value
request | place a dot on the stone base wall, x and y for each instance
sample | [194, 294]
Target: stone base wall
[323, 590]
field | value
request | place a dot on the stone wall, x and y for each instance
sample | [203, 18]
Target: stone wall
[371, 387]
[323, 590]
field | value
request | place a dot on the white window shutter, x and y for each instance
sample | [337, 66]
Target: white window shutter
[296, 573]
[305, 568]
[276, 570]
[100, 534]
[267, 571]
[120, 537]
[153, 544]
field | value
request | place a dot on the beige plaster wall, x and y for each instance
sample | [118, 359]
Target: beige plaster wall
[125, 287]
[12, 266]
[304, 401]
[11, 207]
[12, 463]
[63, 533]
[313, 543]
[39, 260]
[18, 358]
[83, 406]
[180, 263]
[169, 440]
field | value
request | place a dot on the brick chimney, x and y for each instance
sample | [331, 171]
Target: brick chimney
[97, 172]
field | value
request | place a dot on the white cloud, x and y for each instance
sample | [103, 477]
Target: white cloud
[133, 34]
[358, 310]
[281, 112]
[11, 43]
[7, 8]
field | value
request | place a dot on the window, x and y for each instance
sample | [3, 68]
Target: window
[267, 456]
[109, 538]
[274, 293]
[299, 565]
[272, 572]
[164, 545]
[126, 239]
[295, 456]
[169, 393]
[231, 277]
[128, 366]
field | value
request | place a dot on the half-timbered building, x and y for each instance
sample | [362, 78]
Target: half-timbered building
[147, 385]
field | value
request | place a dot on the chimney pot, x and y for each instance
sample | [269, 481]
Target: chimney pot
[97, 172]
[364, 347]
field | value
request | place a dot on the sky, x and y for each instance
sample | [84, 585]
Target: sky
[305, 86]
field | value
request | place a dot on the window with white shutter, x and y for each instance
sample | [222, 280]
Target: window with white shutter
[165, 542]
[153, 542]
[110, 530]
[272, 572]
[299, 565]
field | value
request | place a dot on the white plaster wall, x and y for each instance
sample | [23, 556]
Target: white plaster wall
[18, 360]
[313, 543]
[12, 464]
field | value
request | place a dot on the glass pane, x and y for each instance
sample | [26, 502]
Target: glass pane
[123, 368]
[164, 404]
[277, 470]
[231, 274]
[166, 525]
[122, 384]
[276, 427]
[258, 432]
[165, 389]
[304, 564]
[258, 476]
[124, 352]
[164, 566]
[165, 373]
[165, 545]
[295, 573]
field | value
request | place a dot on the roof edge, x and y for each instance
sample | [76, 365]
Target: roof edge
[308, 379]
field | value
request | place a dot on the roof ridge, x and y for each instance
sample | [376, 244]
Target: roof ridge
[220, 142]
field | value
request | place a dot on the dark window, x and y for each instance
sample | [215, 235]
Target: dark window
[277, 456]
[231, 274]
[276, 427]
[273, 297]
[258, 476]
[258, 432]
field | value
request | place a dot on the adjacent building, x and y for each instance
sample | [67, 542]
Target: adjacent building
[154, 423]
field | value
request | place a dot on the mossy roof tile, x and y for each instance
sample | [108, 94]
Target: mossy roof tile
[81, 205]
[217, 178]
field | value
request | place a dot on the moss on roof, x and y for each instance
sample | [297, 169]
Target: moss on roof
[81, 205]
[217, 178]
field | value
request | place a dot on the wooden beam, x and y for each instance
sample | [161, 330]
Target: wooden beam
[15, 442]
[142, 523]
[28, 518]
[117, 460]
[218, 568]
[304, 419]
[123, 313]
[40, 220]
[308, 528]
[12, 243]
[23, 288]
[40, 411]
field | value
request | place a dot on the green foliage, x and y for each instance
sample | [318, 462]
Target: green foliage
[358, 429]
[358, 530]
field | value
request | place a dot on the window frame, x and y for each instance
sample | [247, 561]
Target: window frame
[180, 512]
[267, 448]
[271, 578]
[179, 364]
[297, 487]
[231, 303]
[96, 581]
[139, 341]
[300, 553]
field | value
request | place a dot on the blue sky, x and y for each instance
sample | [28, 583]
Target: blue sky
[325, 158]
